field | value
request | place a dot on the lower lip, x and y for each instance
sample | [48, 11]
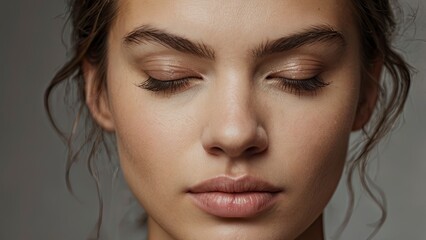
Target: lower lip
[234, 205]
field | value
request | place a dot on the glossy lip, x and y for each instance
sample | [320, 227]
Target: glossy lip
[228, 197]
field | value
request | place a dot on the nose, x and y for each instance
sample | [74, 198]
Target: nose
[233, 127]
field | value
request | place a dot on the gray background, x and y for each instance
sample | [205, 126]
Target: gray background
[34, 202]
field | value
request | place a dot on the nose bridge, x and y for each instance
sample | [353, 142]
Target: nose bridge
[233, 127]
[235, 105]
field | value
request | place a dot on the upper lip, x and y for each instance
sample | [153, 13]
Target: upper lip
[227, 184]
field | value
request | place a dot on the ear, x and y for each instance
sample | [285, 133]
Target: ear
[97, 98]
[368, 94]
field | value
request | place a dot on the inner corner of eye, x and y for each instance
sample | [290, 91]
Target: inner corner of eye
[140, 84]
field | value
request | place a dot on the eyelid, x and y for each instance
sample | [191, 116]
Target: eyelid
[302, 64]
[296, 71]
[288, 66]
[171, 74]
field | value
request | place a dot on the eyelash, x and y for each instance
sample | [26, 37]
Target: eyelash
[166, 87]
[298, 87]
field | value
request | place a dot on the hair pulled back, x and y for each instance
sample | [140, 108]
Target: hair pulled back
[91, 21]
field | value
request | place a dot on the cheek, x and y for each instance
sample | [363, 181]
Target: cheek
[150, 144]
[318, 162]
[153, 140]
[311, 146]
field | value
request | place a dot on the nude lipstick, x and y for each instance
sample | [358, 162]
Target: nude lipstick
[234, 198]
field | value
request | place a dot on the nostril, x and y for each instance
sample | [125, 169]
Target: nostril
[248, 151]
[253, 150]
[216, 150]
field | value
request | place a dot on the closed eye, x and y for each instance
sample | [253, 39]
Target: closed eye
[166, 86]
[299, 87]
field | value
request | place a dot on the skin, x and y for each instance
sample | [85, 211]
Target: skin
[231, 119]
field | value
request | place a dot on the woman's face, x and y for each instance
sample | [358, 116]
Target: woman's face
[232, 118]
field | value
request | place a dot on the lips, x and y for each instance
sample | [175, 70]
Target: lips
[234, 198]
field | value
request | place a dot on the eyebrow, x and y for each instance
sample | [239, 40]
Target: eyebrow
[147, 33]
[314, 34]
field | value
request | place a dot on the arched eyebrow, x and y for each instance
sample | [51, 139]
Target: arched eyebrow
[314, 34]
[147, 33]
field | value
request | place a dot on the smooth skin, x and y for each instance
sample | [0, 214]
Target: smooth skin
[233, 118]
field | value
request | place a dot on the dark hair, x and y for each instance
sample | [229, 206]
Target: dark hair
[91, 21]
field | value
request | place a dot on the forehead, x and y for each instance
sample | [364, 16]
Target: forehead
[234, 23]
